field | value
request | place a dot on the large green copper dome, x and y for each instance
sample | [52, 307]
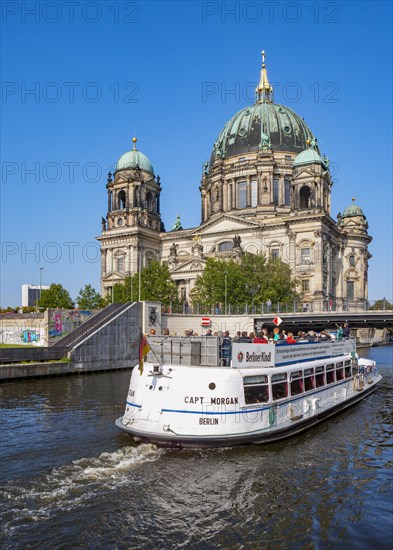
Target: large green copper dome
[262, 124]
[134, 159]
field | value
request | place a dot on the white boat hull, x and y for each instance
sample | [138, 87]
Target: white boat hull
[184, 406]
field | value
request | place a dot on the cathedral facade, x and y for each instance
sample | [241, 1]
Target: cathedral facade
[265, 189]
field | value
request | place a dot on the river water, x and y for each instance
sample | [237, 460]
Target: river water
[70, 479]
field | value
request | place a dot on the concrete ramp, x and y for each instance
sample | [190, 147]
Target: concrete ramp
[112, 342]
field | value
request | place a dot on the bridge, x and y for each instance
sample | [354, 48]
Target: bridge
[330, 319]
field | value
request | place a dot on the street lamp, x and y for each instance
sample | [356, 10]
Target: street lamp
[226, 290]
[253, 290]
[41, 268]
[140, 249]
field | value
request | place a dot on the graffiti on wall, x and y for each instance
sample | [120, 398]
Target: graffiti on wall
[22, 335]
[64, 321]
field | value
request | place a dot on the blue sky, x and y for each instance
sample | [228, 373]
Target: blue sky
[79, 79]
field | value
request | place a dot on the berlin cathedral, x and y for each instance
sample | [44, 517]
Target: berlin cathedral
[265, 189]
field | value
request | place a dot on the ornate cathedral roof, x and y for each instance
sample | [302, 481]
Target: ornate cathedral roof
[353, 210]
[263, 125]
[134, 159]
[309, 156]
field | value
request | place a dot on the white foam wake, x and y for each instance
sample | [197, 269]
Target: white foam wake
[69, 486]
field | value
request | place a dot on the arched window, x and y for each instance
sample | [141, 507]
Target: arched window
[148, 201]
[242, 194]
[275, 191]
[254, 194]
[226, 246]
[121, 197]
[287, 191]
[136, 196]
[304, 197]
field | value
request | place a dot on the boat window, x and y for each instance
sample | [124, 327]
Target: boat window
[329, 374]
[347, 363]
[319, 377]
[279, 377]
[256, 393]
[296, 374]
[340, 374]
[348, 372]
[309, 380]
[297, 386]
[260, 379]
[339, 364]
[279, 386]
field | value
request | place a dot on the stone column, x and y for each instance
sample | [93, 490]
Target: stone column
[225, 196]
[103, 262]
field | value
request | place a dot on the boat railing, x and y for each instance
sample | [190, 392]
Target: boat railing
[218, 351]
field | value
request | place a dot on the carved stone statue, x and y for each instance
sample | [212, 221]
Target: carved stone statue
[206, 168]
[103, 223]
[236, 241]
[265, 143]
[173, 250]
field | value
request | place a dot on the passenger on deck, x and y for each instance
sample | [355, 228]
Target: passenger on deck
[311, 336]
[244, 338]
[226, 349]
[283, 335]
[237, 336]
[209, 332]
[346, 331]
[276, 335]
[290, 339]
[260, 339]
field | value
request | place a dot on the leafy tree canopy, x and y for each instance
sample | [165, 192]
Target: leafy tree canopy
[156, 285]
[55, 297]
[253, 278]
[89, 298]
[382, 304]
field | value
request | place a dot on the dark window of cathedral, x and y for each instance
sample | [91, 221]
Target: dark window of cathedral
[275, 191]
[304, 197]
[350, 290]
[122, 199]
[288, 157]
[242, 194]
[254, 196]
[351, 259]
[275, 253]
[305, 255]
[110, 201]
[287, 192]
[120, 264]
[305, 285]
[136, 194]
[148, 201]
[227, 246]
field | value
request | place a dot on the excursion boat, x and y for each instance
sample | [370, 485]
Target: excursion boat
[187, 394]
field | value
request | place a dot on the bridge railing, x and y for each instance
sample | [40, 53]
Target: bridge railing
[316, 306]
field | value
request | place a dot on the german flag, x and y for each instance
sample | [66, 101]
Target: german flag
[143, 351]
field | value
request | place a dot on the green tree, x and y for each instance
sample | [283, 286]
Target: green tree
[55, 297]
[89, 298]
[156, 285]
[382, 304]
[251, 279]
